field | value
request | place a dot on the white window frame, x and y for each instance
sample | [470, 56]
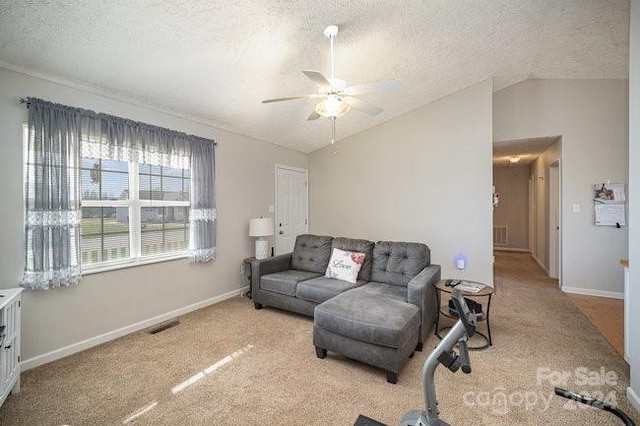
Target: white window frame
[135, 205]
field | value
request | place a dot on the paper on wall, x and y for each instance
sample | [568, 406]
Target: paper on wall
[610, 214]
[609, 193]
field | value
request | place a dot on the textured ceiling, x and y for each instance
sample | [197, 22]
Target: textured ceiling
[527, 150]
[214, 62]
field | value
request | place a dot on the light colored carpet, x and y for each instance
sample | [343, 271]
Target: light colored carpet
[259, 367]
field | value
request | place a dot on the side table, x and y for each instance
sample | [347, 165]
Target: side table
[487, 292]
[248, 261]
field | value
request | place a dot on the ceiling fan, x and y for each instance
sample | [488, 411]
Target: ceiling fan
[337, 97]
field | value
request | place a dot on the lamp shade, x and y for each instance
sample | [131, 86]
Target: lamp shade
[261, 227]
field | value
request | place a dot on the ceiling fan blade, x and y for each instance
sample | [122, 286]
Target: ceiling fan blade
[291, 98]
[313, 116]
[359, 89]
[363, 106]
[317, 77]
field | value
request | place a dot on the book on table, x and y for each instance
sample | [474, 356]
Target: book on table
[470, 287]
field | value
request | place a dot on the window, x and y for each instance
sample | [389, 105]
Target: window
[106, 192]
[132, 212]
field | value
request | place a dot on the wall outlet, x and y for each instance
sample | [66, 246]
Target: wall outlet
[576, 208]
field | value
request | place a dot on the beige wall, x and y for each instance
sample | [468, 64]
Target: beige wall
[540, 209]
[424, 176]
[634, 202]
[107, 301]
[512, 186]
[591, 116]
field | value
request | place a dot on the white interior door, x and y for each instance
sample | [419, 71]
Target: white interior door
[292, 207]
[554, 221]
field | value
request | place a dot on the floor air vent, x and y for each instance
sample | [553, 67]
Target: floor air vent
[163, 326]
[500, 236]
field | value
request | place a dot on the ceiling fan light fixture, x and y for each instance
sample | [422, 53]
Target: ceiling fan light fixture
[338, 98]
[338, 84]
[332, 107]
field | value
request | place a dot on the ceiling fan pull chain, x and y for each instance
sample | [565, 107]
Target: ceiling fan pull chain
[333, 130]
[332, 76]
[334, 145]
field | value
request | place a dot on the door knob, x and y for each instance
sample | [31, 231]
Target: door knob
[281, 232]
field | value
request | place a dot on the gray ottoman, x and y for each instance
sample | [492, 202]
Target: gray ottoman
[369, 327]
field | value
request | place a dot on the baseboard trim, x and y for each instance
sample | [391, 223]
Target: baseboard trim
[56, 354]
[511, 249]
[633, 398]
[540, 264]
[594, 292]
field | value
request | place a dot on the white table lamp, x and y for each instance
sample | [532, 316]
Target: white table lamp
[261, 227]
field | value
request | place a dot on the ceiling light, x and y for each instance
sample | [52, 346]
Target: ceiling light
[332, 107]
[514, 159]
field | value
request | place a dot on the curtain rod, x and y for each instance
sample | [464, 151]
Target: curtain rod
[23, 100]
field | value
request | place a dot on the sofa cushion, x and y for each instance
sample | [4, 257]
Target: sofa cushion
[321, 289]
[369, 317]
[397, 263]
[360, 246]
[311, 253]
[285, 282]
[396, 292]
[344, 265]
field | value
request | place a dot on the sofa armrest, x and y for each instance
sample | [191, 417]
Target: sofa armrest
[421, 291]
[270, 265]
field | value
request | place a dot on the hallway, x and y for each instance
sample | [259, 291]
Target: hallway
[607, 315]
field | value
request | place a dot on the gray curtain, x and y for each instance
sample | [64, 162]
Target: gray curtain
[52, 197]
[202, 216]
[58, 136]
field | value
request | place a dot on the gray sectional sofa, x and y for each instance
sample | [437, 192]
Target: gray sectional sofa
[380, 319]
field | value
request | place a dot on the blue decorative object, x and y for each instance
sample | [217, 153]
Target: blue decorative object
[460, 261]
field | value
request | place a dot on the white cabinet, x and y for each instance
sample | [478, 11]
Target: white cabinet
[10, 305]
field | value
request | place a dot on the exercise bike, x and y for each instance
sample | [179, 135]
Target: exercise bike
[445, 354]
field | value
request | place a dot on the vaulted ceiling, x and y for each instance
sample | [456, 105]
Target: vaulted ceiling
[214, 62]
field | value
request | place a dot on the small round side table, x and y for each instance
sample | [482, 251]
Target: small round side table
[487, 292]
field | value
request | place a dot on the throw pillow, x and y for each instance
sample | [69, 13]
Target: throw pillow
[344, 265]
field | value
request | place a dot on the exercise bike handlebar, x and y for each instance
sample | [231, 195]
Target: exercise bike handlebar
[465, 364]
[467, 317]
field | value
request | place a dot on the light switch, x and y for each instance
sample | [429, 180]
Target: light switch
[271, 208]
[576, 208]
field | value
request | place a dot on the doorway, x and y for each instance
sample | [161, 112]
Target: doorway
[535, 201]
[292, 207]
[555, 250]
